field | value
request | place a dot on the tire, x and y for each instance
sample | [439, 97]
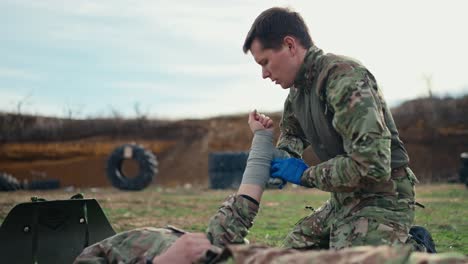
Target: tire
[226, 169]
[8, 183]
[147, 164]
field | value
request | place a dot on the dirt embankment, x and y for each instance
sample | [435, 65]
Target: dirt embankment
[435, 132]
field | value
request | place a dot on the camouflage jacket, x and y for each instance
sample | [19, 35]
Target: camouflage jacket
[336, 107]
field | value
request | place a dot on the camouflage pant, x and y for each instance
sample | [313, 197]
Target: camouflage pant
[371, 225]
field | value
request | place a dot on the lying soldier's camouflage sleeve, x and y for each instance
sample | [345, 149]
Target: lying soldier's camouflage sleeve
[230, 225]
[353, 96]
[292, 138]
[134, 246]
[363, 254]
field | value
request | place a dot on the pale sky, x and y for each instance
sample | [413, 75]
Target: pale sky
[184, 59]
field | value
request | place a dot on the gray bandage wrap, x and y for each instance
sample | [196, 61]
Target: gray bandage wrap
[280, 154]
[277, 154]
[257, 170]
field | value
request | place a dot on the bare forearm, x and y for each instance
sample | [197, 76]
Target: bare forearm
[252, 190]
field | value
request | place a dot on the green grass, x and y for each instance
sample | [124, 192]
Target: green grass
[445, 215]
[279, 212]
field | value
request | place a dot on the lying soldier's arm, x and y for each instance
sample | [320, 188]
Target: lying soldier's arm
[231, 223]
[257, 170]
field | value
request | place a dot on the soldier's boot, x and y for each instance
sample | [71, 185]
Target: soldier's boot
[421, 240]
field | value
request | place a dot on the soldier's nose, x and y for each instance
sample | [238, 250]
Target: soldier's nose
[265, 74]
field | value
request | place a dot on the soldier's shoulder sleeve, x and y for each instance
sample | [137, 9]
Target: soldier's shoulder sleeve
[292, 138]
[231, 223]
[134, 246]
[358, 117]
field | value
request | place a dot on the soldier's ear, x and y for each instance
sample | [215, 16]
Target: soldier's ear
[290, 43]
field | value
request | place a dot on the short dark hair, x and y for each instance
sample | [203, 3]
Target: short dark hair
[275, 23]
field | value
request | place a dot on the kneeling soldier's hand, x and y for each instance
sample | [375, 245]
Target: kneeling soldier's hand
[289, 170]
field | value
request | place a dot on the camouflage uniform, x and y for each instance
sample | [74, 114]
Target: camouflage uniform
[227, 229]
[336, 107]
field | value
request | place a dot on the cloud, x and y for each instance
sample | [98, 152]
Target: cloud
[14, 101]
[208, 70]
[184, 57]
[194, 76]
[235, 97]
[14, 73]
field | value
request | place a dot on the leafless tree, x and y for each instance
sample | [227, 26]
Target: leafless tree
[141, 116]
[73, 111]
[428, 79]
[23, 101]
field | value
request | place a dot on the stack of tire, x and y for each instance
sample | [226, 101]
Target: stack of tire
[147, 164]
[10, 183]
[46, 184]
[226, 169]
[463, 173]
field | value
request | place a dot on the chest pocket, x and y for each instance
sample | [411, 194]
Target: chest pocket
[316, 118]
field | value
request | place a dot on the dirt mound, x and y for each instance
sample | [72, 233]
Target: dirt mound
[434, 130]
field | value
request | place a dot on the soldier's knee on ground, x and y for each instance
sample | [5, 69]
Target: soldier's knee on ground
[312, 231]
[366, 231]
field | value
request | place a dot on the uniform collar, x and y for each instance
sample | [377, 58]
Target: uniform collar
[307, 71]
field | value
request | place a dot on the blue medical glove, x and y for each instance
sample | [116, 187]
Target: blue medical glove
[290, 169]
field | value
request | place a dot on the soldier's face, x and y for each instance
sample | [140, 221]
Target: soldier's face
[278, 65]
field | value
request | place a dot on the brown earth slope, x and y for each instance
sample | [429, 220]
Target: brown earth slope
[435, 132]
